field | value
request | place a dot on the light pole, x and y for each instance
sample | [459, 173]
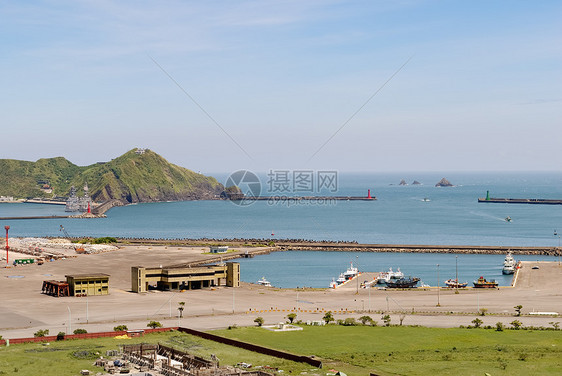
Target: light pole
[69, 320]
[370, 298]
[456, 275]
[438, 288]
[357, 275]
[7, 246]
[555, 234]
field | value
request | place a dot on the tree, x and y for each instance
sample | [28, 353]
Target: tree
[259, 321]
[477, 322]
[386, 319]
[555, 325]
[365, 319]
[180, 308]
[328, 317]
[120, 328]
[499, 326]
[154, 324]
[291, 317]
[60, 336]
[518, 310]
[483, 311]
[41, 333]
[516, 324]
[80, 331]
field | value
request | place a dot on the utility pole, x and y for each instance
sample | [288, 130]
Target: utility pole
[7, 246]
[438, 289]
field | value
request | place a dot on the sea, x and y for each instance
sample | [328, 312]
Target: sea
[402, 214]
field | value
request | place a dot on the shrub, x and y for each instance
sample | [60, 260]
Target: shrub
[291, 317]
[41, 333]
[120, 328]
[350, 321]
[154, 324]
[328, 317]
[477, 322]
[365, 319]
[80, 331]
[259, 321]
[386, 319]
[483, 311]
[499, 326]
[516, 324]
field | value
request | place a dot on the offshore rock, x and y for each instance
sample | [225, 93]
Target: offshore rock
[416, 182]
[444, 183]
[403, 182]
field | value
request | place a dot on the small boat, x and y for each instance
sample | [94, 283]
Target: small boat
[509, 264]
[351, 272]
[264, 282]
[341, 279]
[333, 284]
[403, 283]
[426, 199]
[454, 283]
[483, 283]
[507, 219]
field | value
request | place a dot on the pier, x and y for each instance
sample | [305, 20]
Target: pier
[535, 201]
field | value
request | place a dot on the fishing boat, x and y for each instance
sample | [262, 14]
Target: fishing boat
[509, 264]
[403, 283]
[385, 277]
[483, 283]
[341, 279]
[455, 284]
[264, 282]
[351, 272]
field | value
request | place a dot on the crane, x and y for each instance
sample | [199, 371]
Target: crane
[64, 232]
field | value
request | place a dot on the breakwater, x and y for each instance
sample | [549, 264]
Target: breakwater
[534, 201]
[303, 245]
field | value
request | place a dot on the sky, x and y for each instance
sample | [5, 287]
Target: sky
[217, 86]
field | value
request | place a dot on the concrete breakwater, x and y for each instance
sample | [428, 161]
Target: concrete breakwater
[303, 245]
[547, 251]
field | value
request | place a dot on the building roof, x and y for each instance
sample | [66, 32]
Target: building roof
[86, 276]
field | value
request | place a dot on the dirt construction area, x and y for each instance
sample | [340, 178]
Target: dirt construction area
[24, 309]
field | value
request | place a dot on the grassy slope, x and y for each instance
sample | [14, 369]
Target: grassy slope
[353, 350]
[420, 351]
[19, 178]
[135, 178]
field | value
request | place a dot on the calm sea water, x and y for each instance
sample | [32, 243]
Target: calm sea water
[453, 216]
[399, 216]
[316, 269]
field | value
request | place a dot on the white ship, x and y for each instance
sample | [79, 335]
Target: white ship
[264, 282]
[509, 264]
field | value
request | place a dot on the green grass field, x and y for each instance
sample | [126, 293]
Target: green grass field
[354, 350]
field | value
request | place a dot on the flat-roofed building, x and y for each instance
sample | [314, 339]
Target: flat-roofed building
[184, 278]
[88, 284]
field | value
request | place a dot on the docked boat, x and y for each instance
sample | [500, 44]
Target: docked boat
[385, 277]
[341, 279]
[483, 283]
[455, 284]
[509, 264]
[351, 272]
[264, 282]
[333, 284]
[403, 283]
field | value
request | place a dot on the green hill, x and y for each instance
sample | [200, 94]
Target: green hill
[131, 177]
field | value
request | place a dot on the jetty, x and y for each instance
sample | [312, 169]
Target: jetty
[535, 201]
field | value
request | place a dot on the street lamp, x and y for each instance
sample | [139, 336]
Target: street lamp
[556, 234]
[438, 288]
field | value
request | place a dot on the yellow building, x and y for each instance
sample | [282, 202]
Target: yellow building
[88, 284]
[181, 278]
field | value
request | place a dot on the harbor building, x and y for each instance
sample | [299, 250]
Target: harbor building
[218, 249]
[184, 278]
[78, 285]
[88, 284]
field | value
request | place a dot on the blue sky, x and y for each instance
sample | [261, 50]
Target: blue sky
[482, 90]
